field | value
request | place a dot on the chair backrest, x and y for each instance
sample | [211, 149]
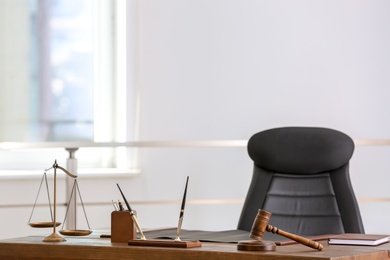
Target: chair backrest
[301, 176]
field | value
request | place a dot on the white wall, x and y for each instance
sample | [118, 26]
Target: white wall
[226, 69]
[260, 64]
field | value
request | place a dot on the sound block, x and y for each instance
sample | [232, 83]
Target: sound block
[254, 245]
[164, 243]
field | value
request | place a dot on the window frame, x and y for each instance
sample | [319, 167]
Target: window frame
[112, 101]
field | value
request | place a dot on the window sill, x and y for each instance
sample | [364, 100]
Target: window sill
[84, 173]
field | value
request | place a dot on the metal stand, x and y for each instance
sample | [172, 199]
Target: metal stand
[71, 165]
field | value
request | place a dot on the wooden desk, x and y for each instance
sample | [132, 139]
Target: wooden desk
[94, 247]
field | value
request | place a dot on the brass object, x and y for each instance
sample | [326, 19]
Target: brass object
[43, 224]
[75, 232]
[54, 236]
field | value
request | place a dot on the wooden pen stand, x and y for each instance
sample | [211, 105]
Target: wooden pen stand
[164, 243]
[123, 230]
[123, 227]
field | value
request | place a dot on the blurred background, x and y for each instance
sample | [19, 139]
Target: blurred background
[153, 91]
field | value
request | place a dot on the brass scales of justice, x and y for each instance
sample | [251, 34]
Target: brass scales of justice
[55, 237]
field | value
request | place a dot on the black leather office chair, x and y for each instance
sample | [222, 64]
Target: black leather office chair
[301, 176]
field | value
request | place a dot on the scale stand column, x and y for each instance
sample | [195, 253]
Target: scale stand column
[71, 165]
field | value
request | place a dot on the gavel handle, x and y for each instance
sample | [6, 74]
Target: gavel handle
[299, 239]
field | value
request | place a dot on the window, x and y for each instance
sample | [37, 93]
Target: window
[65, 68]
[62, 76]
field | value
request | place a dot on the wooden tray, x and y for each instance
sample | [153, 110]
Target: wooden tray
[164, 243]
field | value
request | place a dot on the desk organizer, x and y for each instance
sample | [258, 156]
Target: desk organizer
[122, 227]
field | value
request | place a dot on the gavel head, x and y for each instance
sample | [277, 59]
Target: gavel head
[260, 224]
[259, 227]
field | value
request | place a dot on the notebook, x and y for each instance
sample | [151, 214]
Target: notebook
[359, 239]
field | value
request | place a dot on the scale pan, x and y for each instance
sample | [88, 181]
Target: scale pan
[75, 232]
[43, 224]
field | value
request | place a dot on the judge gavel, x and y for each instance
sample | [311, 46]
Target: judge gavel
[260, 226]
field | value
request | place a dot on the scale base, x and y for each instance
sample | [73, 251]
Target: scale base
[164, 243]
[54, 237]
[254, 245]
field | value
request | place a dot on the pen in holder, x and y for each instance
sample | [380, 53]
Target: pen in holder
[132, 214]
[160, 242]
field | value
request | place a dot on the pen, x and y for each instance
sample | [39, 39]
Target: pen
[132, 214]
[181, 213]
[115, 206]
[120, 206]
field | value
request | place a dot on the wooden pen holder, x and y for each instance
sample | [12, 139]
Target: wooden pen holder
[123, 227]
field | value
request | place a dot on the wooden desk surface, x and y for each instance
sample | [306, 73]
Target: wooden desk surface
[94, 247]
